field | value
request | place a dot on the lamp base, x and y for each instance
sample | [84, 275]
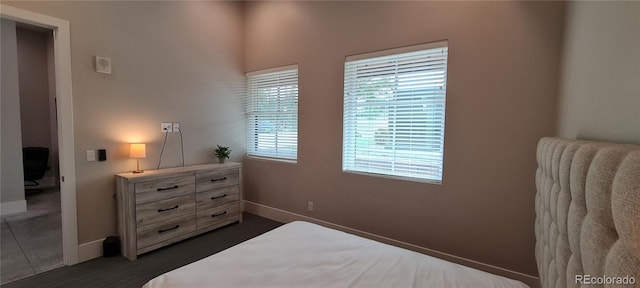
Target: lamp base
[137, 171]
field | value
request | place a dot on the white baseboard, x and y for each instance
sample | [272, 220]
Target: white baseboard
[286, 217]
[90, 250]
[7, 208]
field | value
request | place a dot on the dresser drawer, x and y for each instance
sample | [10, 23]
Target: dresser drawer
[155, 190]
[217, 197]
[161, 231]
[217, 215]
[216, 179]
[157, 211]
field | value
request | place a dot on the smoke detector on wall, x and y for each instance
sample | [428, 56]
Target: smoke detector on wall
[103, 65]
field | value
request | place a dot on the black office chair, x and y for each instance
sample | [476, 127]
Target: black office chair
[35, 161]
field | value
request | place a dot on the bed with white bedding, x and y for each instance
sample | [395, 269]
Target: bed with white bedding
[301, 254]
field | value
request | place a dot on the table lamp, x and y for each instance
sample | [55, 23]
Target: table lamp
[138, 151]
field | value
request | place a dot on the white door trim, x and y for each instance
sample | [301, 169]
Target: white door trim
[62, 55]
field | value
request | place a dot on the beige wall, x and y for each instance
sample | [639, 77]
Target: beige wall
[184, 62]
[172, 61]
[34, 91]
[600, 92]
[12, 176]
[502, 93]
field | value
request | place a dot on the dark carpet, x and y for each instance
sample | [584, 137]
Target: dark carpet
[120, 272]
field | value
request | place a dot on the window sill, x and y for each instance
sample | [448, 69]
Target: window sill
[269, 159]
[402, 178]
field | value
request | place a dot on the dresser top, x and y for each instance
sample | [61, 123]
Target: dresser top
[150, 174]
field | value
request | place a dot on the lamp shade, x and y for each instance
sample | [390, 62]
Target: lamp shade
[138, 150]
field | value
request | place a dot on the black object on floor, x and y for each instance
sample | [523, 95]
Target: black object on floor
[35, 161]
[111, 246]
[34, 164]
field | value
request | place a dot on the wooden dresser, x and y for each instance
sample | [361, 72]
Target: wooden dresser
[160, 207]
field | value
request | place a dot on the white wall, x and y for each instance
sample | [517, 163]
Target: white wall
[600, 88]
[12, 194]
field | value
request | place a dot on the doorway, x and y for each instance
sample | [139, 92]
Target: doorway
[32, 240]
[64, 112]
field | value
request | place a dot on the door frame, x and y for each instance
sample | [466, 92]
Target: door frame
[64, 108]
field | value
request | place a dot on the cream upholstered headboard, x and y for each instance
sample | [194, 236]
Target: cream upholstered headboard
[587, 213]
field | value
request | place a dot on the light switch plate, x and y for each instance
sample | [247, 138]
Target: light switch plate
[91, 155]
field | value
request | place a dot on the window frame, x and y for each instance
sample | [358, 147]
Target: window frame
[249, 113]
[349, 138]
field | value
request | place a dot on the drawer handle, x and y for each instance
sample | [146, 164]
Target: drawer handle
[219, 214]
[218, 197]
[170, 188]
[167, 209]
[219, 179]
[169, 229]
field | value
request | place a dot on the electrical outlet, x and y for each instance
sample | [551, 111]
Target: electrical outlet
[176, 127]
[166, 127]
[310, 206]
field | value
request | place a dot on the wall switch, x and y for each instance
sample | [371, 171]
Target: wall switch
[176, 127]
[102, 154]
[91, 155]
[166, 127]
[309, 206]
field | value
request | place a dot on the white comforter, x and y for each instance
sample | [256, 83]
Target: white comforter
[301, 254]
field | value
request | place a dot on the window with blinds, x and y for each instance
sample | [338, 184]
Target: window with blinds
[394, 104]
[272, 111]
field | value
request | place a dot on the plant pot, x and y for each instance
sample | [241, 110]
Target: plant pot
[221, 159]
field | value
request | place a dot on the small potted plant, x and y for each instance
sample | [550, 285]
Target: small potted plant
[222, 153]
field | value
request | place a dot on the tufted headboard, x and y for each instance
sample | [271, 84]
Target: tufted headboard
[587, 213]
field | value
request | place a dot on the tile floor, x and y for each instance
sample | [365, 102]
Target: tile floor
[31, 242]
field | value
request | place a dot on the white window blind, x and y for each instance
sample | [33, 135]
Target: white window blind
[394, 104]
[272, 111]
